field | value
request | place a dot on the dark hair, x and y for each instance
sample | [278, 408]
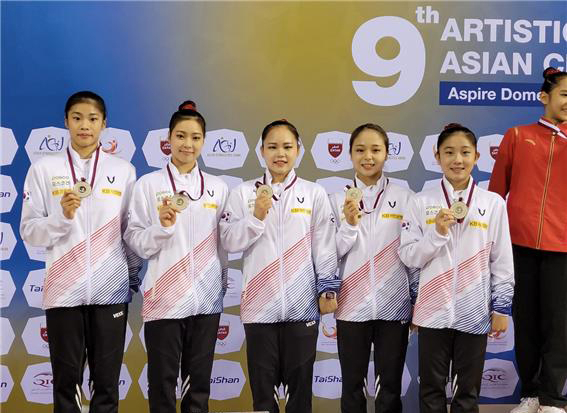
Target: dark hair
[372, 126]
[280, 122]
[452, 128]
[187, 110]
[85, 96]
[551, 78]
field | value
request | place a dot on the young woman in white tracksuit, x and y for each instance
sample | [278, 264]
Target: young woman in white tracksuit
[287, 233]
[173, 223]
[374, 304]
[75, 205]
[457, 234]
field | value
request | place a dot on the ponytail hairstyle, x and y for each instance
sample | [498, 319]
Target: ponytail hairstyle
[452, 128]
[551, 79]
[281, 122]
[187, 110]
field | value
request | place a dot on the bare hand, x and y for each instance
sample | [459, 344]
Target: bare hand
[70, 201]
[444, 220]
[351, 211]
[167, 213]
[499, 325]
[327, 305]
[261, 206]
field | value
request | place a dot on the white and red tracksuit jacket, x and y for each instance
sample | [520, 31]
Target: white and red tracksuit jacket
[187, 268]
[87, 260]
[290, 257]
[466, 275]
[375, 284]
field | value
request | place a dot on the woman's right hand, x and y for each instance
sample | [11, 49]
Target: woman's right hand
[261, 206]
[444, 220]
[167, 213]
[351, 211]
[70, 201]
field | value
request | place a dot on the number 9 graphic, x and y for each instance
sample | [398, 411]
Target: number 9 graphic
[409, 64]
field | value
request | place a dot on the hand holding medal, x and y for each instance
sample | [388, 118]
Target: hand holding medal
[351, 207]
[444, 220]
[70, 201]
[168, 212]
[263, 202]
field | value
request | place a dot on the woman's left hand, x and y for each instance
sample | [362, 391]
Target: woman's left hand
[327, 305]
[499, 325]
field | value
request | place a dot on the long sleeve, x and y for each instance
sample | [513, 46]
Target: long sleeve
[142, 236]
[323, 244]
[223, 254]
[346, 234]
[502, 171]
[417, 246]
[134, 262]
[238, 227]
[501, 265]
[39, 226]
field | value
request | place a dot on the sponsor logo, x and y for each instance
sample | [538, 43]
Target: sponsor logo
[329, 153]
[165, 147]
[118, 314]
[52, 144]
[488, 147]
[118, 142]
[400, 152]
[224, 149]
[230, 334]
[43, 333]
[35, 336]
[327, 379]
[499, 379]
[223, 331]
[110, 147]
[46, 141]
[37, 383]
[225, 145]
[33, 288]
[227, 380]
[327, 339]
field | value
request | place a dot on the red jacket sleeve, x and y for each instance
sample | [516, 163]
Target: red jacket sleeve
[502, 171]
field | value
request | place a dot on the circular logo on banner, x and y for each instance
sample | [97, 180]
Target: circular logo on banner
[227, 380]
[35, 337]
[499, 379]
[7, 288]
[327, 340]
[400, 153]
[330, 151]
[230, 334]
[118, 142]
[46, 141]
[224, 149]
[9, 146]
[37, 383]
[8, 193]
[327, 379]
[7, 336]
[6, 384]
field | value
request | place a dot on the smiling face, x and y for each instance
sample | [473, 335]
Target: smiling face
[186, 141]
[280, 150]
[85, 121]
[555, 102]
[457, 156]
[368, 154]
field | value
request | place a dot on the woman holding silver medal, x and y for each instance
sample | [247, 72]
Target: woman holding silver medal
[457, 234]
[285, 227]
[75, 205]
[375, 300]
[174, 217]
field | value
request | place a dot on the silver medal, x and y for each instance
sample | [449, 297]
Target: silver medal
[459, 209]
[264, 190]
[82, 189]
[180, 201]
[354, 193]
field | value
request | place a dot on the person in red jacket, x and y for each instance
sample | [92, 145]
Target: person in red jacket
[531, 169]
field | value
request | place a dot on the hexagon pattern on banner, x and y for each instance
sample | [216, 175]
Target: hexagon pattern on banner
[33, 288]
[7, 241]
[427, 154]
[431, 183]
[7, 288]
[35, 253]
[8, 193]
[488, 147]
[504, 342]
[231, 181]
[118, 142]
[330, 151]
[370, 381]
[35, 336]
[7, 336]
[230, 334]
[124, 382]
[499, 379]
[327, 339]
[156, 147]
[334, 184]
[37, 383]
[297, 161]
[234, 291]
[327, 379]
[8, 146]
[224, 149]
[227, 380]
[6, 383]
[400, 153]
[46, 141]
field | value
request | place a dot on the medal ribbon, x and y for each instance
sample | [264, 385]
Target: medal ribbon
[274, 197]
[185, 192]
[73, 168]
[362, 208]
[553, 127]
[460, 199]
